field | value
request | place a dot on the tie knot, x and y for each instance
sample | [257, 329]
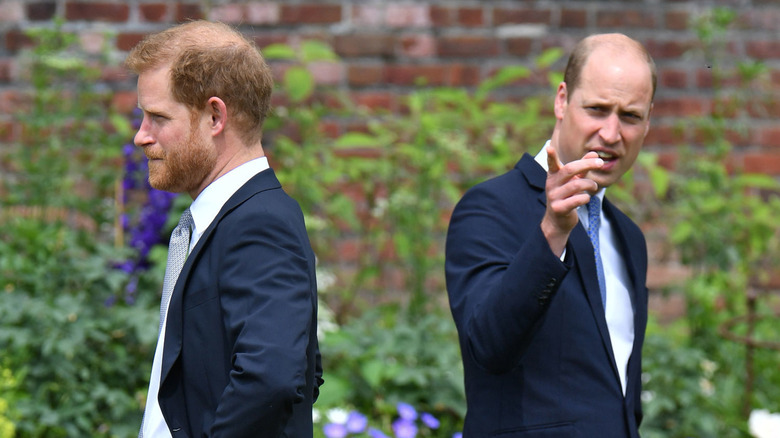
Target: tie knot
[185, 220]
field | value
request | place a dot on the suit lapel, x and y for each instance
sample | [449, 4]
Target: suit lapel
[264, 180]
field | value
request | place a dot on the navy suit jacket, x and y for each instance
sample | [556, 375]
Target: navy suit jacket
[241, 357]
[536, 351]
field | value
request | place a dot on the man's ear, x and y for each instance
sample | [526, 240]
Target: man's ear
[561, 100]
[217, 111]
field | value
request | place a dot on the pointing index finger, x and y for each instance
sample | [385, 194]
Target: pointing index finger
[553, 163]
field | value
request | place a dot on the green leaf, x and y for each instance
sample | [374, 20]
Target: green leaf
[757, 181]
[505, 76]
[357, 139]
[314, 50]
[279, 51]
[549, 57]
[298, 83]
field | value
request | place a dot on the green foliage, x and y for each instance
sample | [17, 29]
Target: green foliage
[74, 357]
[384, 357]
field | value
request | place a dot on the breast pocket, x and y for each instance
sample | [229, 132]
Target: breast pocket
[198, 297]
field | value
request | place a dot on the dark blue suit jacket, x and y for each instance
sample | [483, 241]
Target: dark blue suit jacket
[536, 351]
[241, 357]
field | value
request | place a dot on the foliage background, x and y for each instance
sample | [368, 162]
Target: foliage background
[78, 321]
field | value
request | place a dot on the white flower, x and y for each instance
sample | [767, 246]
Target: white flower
[338, 416]
[763, 424]
[316, 416]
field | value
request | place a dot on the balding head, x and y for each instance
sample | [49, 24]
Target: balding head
[615, 44]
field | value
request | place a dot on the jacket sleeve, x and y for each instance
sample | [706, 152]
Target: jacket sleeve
[501, 275]
[267, 306]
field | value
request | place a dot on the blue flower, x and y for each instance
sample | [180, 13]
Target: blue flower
[429, 420]
[376, 433]
[356, 422]
[335, 430]
[457, 435]
[404, 428]
[406, 411]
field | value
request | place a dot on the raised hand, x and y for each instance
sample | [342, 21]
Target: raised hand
[567, 188]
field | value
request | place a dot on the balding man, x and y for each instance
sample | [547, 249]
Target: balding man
[237, 352]
[546, 278]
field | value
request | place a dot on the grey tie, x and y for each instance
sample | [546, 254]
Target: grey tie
[594, 222]
[177, 254]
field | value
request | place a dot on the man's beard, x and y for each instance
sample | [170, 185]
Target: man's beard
[184, 166]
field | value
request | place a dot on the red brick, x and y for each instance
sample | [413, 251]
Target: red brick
[519, 46]
[471, 17]
[41, 11]
[677, 20]
[365, 75]
[467, 46]
[367, 15]
[153, 12]
[765, 108]
[767, 163]
[124, 102]
[664, 135]
[126, 41]
[463, 75]
[625, 18]
[310, 14]
[17, 40]
[406, 74]
[669, 49]
[705, 79]
[407, 15]
[760, 19]
[262, 13]
[358, 45]
[678, 106]
[673, 78]
[577, 18]
[375, 100]
[89, 11]
[767, 49]
[6, 66]
[418, 46]
[769, 136]
[188, 11]
[8, 131]
[327, 73]
[520, 16]
[441, 16]
[230, 13]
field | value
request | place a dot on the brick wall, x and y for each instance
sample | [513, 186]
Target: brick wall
[386, 45]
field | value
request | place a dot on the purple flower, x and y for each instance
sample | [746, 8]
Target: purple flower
[356, 422]
[376, 433]
[406, 411]
[429, 420]
[457, 435]
[404, 428]
[335, 430]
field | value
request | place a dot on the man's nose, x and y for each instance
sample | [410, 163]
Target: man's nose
[610, 130]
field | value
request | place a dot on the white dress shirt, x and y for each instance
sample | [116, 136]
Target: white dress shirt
[204, 209]
[619, 311]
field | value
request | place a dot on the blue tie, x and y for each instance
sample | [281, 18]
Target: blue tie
[594, 222]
